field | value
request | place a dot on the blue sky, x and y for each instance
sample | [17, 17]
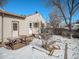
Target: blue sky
[26, 7]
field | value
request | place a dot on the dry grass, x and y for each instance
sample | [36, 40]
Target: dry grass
[47, 45]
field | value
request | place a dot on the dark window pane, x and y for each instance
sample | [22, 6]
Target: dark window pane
[36, 24]
[14, 26]
[30, 24]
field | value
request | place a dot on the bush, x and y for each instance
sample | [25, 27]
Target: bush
[75, 35]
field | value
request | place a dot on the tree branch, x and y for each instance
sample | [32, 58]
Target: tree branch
[76, 5]
[63, 15]
[68, 5]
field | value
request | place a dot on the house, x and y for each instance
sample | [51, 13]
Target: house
[12, 25]
[76, 26]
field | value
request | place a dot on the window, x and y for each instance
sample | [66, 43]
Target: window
[42, 25]
[14, 26]
[77, 26]
[36, 24]
[30, 25]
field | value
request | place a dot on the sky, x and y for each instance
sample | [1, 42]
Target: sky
[26, 7]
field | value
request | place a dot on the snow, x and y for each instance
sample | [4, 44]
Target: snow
[35, 51]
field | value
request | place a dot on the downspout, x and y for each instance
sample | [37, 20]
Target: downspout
[2, 28]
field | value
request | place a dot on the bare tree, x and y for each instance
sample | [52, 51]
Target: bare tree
[55, 20]
[3, 2]
[67, 8]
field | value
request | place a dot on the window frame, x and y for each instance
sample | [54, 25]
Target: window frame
[35, 24]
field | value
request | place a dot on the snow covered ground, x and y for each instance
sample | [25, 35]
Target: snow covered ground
[28, 52]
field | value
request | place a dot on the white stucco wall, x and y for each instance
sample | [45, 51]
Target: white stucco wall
[23, 30]
[75, 26]
[32, 19]
[8, 27]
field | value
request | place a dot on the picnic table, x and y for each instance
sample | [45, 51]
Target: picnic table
[15, 40]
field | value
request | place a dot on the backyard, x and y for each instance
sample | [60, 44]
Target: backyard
[35, 50]
[39, 29]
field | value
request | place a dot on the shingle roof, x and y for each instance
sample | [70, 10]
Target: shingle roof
[10, 14]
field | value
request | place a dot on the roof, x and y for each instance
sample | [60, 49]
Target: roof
[18, 16]
[32, 14]
[77, 22]
[10, 14]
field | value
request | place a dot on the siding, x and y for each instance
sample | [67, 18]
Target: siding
[34, 18]
[8, 27]
[23, 25]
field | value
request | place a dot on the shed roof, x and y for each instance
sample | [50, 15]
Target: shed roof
[10, 14]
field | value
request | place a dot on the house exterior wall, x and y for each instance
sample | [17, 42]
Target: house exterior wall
[23, 30]
[23, 25]
[7, 27]
[75, 26]
[36, 18]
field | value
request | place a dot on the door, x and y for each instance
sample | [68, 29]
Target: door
[30, 31]
[15, 28]
[30, 28]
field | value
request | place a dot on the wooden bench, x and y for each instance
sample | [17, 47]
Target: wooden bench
[15, 40]
[12, 41]
[23, 38]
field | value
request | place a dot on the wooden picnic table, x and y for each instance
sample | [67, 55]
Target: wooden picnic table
[23, 38]
[14, 40]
